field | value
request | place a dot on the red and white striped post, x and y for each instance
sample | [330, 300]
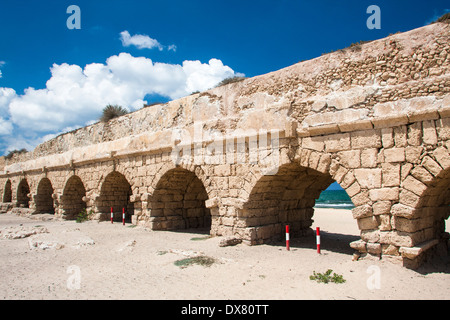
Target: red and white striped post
[123, 216]
[112, 215]
[287, 238]
[318, 239]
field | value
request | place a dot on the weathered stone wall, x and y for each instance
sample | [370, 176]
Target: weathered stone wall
[248, 158]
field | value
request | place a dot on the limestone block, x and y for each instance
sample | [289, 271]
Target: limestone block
[390, 175]
[431, 165]
[381, 207]
[412, 154]
[414, 185]
[443, 128]
[387, 137]
[442, 156]
[369, 158]
[366, 139]
[384, 194]
[394, 155]
[362, 211]
[372, 236]
[211, 203]
[385, 222]
[408, 198]
[402, 210]
[353, 190]
[359, 245]
[350, 159]
[413, 252]
[429, 132]
[415, 134]
[337, 142]
[396, 238]
[374, 248]
[361, 198]
[422, 174]
[313, 143]
[388, 249]
[368, 223]
[368, 178]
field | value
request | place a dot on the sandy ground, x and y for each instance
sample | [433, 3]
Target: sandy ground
[94, 260]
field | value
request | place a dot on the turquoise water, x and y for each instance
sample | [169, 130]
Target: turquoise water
[337, 199]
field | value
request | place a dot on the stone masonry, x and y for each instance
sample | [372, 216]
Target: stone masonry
[248, 158]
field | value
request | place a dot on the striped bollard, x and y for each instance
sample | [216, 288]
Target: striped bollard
[112, 215]
[287, 238]
[123, 216]
[318, 239]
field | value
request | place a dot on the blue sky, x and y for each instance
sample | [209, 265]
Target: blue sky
[54, 79]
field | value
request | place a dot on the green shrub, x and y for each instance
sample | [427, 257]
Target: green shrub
[111, 112]
[327, 277]
[200, 260]
[445, 18]
[230, 80]
[83, 216]
[12, 153]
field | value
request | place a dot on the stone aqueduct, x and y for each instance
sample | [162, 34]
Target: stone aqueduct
[248, 158]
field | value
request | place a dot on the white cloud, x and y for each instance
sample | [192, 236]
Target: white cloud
[75, 96]
[140, 41]
[6, 127]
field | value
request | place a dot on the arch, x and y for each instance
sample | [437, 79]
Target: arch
[23, 189]
[72, 198]
[424, 215]
[7, 193]
[286, 198]
[178, 202]
[115, 193]
[44, 197]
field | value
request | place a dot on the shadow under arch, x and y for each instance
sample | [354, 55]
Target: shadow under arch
[7, 192]
[72, 198]
[178, 202]
[115, 193]
[44, 197]
[23, 189]
[429, 219]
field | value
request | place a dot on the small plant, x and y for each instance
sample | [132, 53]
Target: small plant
[111, 112]
[83, 216]
[445, 18]
[200, 260]
[327, 277]
[230, 80]
[12, 153]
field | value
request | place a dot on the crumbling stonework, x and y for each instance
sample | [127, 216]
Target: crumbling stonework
[248, 158]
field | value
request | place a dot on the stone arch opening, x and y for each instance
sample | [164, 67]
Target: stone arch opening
[44, 197]
[72, 199]
[7, 193]
[430, 219]
[178, 202]
[115, 193]
[23, 201]
[286, 198]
